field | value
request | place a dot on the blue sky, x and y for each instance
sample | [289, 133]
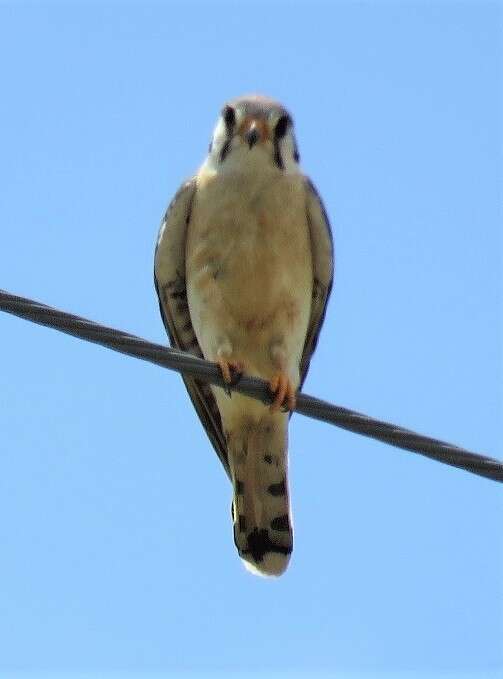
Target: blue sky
[116, 543]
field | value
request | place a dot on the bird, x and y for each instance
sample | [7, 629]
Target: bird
[243, 270]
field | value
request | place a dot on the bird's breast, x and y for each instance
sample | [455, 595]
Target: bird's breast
[248, 244]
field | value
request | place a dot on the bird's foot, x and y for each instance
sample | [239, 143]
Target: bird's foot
[231, 371]
[283, 391]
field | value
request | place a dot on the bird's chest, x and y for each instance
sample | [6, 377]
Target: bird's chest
[248, 244]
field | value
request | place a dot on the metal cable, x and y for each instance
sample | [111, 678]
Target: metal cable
[256, 388]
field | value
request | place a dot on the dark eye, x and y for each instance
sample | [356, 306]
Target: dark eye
[229, 116]
[282, 126]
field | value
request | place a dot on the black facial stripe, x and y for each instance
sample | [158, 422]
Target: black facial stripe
[280, 130]
[296, 154]
[277, 155]
[229, 116]
[225, 149]
[282, 126]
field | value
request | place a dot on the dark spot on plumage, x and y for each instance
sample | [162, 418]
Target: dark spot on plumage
[260, 544]
[296, 154]
[178, 294]
[268, 459]
[192, 344]
[182, 307]
[242, 523]
[240, 487]
[217, 273]
[277, 489]
[187, 327]
[281, 523]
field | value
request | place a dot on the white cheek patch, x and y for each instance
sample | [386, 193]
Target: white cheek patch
[287, 149]
[219, 135]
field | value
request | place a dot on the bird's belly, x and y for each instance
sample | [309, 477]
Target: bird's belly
[249, 269]
[256, 280]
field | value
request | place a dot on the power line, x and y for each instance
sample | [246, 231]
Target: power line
[256, 388]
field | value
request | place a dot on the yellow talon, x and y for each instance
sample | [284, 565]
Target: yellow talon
[227, 367]
[283, 389]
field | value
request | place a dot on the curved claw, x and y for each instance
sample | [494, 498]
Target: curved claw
[283, 391]
[231, 371]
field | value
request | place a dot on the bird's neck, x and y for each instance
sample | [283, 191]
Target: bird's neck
[248, 164]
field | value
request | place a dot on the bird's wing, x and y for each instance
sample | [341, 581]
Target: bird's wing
[323, 271]
[169, 277]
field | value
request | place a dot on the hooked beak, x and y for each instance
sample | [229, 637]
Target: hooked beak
[252, 136]
[254, 130]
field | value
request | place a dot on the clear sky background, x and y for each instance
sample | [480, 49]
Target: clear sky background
[116, 550]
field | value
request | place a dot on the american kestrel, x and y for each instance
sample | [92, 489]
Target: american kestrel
[243, 271]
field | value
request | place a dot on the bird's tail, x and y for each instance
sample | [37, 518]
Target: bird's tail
[261, 514]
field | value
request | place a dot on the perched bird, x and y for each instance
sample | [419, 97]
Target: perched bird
[243, 271]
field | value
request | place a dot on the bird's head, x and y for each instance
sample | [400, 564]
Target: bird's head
[254, 131]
